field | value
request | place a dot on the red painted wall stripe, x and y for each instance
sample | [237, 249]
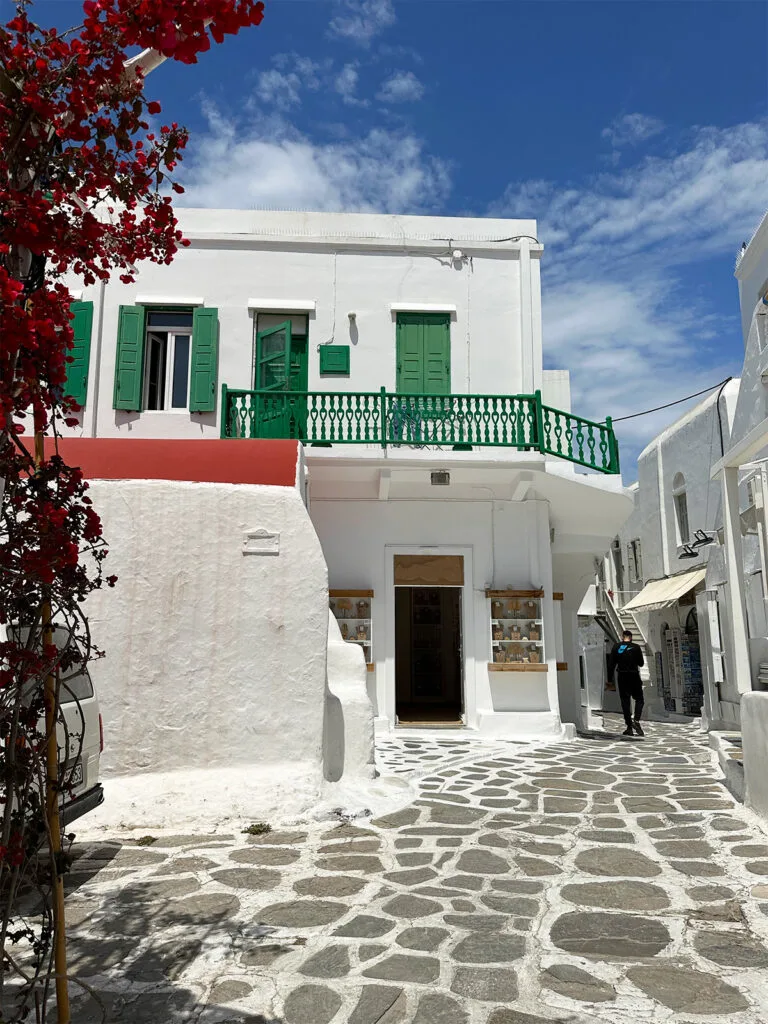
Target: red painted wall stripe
[204, 461]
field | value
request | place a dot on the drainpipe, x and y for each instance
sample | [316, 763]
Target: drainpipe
[97, 376]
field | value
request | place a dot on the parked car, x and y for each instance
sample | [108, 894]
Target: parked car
[80, 736]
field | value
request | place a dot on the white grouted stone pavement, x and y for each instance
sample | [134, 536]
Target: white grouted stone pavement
[600, 880]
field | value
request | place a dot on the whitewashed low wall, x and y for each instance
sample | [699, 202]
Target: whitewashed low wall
[754, 735]
[348, 738]
[215, 659]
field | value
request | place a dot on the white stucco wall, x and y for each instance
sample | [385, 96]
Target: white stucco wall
[214, 658]
[689, 446]
[340, 263]
[752, 274]
[754, 732]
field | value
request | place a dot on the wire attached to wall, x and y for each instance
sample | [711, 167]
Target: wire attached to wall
[646, 412]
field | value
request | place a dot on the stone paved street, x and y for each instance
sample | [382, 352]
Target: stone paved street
[600, 880]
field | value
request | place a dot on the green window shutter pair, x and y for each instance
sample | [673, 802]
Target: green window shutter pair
[423, 353]
[76, 386]
[129, 363]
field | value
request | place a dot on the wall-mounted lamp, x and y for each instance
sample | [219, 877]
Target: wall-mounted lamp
[701, 539]
[457, 254]
[688, 552]
[352, 317]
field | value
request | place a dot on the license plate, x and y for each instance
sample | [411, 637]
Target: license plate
[76, 776]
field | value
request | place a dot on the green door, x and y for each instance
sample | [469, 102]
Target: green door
[281, 367]
[423, 353]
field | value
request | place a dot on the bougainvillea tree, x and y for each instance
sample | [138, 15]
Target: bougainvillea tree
[86, 171]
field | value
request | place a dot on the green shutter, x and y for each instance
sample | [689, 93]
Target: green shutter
[205, 351]
[423, 353]
[77, 371]
[410, 345]
[437, 355]
[129, 362]
[334, 359]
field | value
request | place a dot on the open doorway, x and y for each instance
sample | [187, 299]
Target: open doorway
[428, 655]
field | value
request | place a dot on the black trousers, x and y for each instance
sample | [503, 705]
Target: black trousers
[631, 688]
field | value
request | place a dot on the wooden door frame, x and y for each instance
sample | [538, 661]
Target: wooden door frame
[470, 654]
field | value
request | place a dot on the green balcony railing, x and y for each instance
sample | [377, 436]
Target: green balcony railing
[457, 421]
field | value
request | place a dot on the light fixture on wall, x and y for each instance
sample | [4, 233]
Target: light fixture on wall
[701, 539]
[688, 552]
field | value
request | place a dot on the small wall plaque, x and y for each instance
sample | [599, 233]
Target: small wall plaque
[261, 542]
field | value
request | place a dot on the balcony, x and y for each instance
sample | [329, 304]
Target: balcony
[461, 422]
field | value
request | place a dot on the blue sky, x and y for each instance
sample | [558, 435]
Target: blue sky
[635, 133]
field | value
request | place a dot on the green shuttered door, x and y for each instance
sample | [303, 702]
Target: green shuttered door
[77, 371]
[129, 362]
[205, 346]
[423, 353]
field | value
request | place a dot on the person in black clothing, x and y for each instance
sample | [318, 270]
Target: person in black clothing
[625, 660]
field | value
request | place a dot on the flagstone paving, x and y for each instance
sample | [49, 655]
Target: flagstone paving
[599, 880]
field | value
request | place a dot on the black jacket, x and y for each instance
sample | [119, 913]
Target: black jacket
[626, 659]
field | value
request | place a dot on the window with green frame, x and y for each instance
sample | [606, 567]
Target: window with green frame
[167, 359]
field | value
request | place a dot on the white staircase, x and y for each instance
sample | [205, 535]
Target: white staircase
[628, 621]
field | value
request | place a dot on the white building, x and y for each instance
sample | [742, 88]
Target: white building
[737, 579]
[459, 504]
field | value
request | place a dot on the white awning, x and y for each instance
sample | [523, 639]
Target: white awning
[664, 593]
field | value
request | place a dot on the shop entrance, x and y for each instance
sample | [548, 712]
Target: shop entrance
[428, 655]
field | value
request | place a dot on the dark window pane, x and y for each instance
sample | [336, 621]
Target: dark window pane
[169, 318]
[180, 372]
[156, 345]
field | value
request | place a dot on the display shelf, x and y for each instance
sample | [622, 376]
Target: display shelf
[517, 630]
[495, 666]
[536, 622]
[352, 610]
[522, 640]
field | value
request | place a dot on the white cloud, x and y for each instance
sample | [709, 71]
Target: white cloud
[681, 208]
[268, 163]
[279, 89]
[361, 20]
[346, 84]
[401, 87]
[282, 86]
[631, 129]
[616, 311]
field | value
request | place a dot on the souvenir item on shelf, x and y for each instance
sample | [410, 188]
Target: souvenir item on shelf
[344, 630]
[363, 609]
[362, 633]
[498, 632]
[498, 655]
[533, 656]
[534, 633]
[514, 633]
[344, 605]
[513, 607]
[497, 609]
[532, 608]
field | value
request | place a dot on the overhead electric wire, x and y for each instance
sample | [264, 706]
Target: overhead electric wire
[634, 415]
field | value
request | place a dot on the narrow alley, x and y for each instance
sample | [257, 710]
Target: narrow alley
[600, 880]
